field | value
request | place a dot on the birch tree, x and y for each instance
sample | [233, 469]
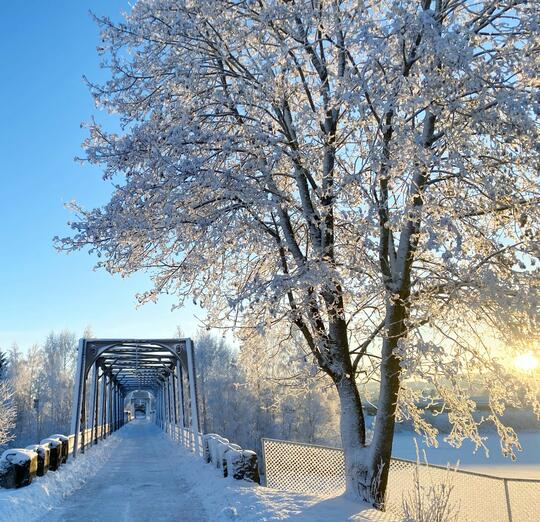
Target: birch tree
[363, 171]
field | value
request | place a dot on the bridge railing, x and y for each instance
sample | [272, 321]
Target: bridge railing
[309, 468]
[185, 437]
[229, 458]
[87, 437]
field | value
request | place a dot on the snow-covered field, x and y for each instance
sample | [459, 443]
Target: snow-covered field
[526, 465]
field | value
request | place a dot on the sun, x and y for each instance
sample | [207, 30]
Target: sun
[526, 362]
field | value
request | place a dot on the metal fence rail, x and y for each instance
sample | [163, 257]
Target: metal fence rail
[185, 437]
[309, 468]
[102, 430]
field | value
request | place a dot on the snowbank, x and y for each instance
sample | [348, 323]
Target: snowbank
[33, 501]
[227, 499]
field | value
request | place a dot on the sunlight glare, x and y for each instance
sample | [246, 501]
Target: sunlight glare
[526, 362]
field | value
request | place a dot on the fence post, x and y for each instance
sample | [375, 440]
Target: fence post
[508, 505]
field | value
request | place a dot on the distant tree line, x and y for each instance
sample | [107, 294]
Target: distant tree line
[247, 394]
[37, 385]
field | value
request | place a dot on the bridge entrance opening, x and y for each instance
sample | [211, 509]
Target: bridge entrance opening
[155, 378]
[140, 404]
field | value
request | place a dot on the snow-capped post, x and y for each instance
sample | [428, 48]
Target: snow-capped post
[78, 395]
[18, 467]
[250, 467]
[207, 453]
[228, 470]
[65, 445]
[43, 452]
[55, 452]
[195, 428]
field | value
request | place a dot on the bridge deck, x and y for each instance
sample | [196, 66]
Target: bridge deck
[139, 483]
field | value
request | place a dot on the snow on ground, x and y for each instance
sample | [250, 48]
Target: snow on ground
[142, 480]
[139, 475]
[226, 499]
[26, 504]
[526, 465]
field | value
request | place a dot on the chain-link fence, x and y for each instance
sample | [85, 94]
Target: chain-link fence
[308, 468]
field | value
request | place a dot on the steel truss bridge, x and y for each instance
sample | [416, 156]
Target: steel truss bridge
[108, 370]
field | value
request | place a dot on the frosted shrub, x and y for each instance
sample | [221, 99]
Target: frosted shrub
[432, 501]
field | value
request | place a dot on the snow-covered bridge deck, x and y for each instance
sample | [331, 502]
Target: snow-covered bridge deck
[141, 480]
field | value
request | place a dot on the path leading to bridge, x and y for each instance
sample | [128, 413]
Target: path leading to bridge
[141, 481]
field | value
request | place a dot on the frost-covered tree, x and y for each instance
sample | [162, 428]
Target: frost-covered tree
[7, 413]
[41, 381]
[364, 171]
[260, 390]
[26, 380]
[7, 408]
[3, 364]
[58, 365]
[217, 376]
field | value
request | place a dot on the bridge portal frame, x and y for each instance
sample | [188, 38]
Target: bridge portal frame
[119, 366]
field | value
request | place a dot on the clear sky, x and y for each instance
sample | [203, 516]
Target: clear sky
[46, 47]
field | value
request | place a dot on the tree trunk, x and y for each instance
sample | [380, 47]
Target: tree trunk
[353, 438]
[380, 449]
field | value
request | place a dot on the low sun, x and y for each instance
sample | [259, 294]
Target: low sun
[526, 362]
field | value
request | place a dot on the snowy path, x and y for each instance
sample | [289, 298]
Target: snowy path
[140, 482]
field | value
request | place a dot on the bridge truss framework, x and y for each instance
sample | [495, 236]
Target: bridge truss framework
[109, 369]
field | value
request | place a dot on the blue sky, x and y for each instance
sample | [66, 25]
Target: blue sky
[46, 48]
